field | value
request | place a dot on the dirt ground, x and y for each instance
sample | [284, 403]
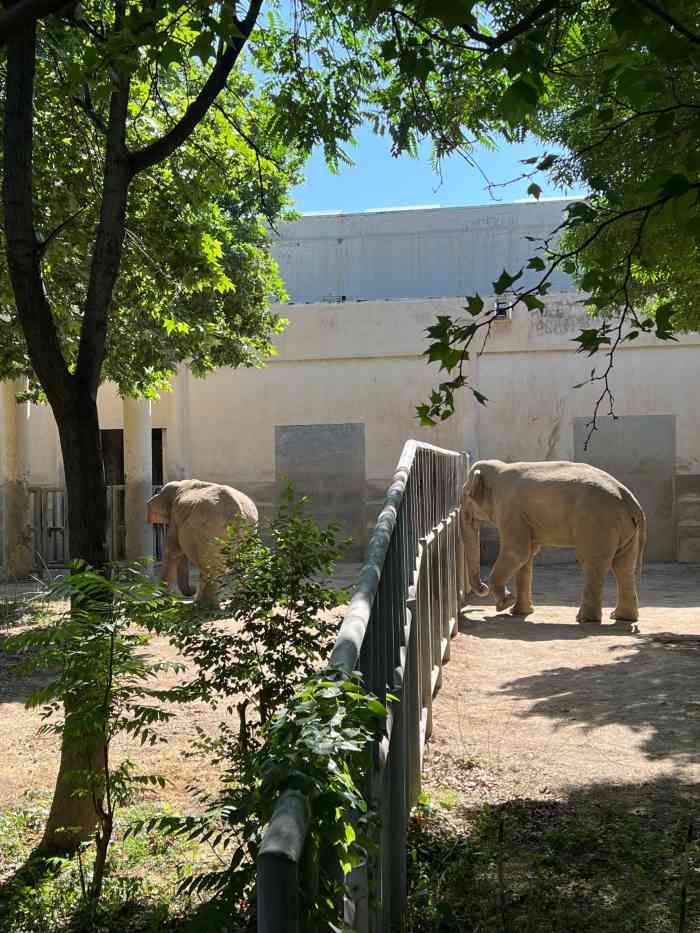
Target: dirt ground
[29, 761]
[535, 707]
[528, 708]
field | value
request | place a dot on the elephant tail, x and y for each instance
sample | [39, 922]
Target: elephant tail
[640, 520]
[641, 543]
[183, 577]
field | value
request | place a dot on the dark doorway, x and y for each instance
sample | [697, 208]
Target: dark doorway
[157, 448]
[113, 455]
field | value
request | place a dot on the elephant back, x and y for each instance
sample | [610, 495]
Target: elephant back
[213, 507]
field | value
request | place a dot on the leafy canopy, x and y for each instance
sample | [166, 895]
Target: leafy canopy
[196, 276]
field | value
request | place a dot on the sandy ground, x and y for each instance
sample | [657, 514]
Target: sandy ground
[528, 707]
[534, 707]
[29, 761]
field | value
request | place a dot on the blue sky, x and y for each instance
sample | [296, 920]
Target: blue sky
[377, 180]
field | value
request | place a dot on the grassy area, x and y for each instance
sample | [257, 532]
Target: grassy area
[140, 893]
[591, 864]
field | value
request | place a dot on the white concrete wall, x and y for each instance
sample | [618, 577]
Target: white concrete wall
[419, 253]
[529, 370]
[361, 361]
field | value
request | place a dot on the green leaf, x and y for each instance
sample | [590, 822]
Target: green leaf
[519, 101]
[663, 315]
[203, 46]
[505, 280]
[532, 302]
[676, 185]
[665, 123]
[536, 262]
[535, 190]
[475, 304]
[591, 339]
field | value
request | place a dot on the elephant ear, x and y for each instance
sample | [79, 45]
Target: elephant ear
[477, 488]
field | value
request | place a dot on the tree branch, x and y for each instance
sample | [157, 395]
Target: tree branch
[16, 17]
[672, 22]
[527, 22]
[109, 241]
[22, 246]
[43, 245]
[161, 148]
[86, 105]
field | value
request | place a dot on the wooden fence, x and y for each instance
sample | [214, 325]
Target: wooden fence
[397, 631]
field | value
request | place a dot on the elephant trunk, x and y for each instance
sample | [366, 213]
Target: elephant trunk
[183, 577]
[471, 536]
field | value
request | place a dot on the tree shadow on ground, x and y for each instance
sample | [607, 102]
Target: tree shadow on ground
[651, 686]
[609, 858]
[15, 684]
[22, 605]
[502, 625]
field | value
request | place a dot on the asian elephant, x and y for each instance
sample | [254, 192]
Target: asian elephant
[554, 504]
[197, 515]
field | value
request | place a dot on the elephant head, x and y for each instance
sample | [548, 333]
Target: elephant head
[158, 507]
[158, 512]
[471, 516]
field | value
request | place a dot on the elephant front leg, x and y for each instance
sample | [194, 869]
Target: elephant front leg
[171, 559]
[523, 590]
[516, 551]
[503, 570]
[592, 604]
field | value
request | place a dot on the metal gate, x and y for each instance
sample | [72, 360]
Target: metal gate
[49, 526]
[48, 520]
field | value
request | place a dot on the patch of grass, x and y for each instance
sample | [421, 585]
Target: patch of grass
[140, 890]
[446, 798]
[587, 864]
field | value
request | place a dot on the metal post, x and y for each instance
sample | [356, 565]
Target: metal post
[278, 879]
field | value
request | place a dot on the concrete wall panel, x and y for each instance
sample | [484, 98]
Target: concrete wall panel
[639, 451]
[326, 462]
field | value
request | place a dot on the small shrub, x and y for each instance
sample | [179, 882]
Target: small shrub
[99, 689]
[284, 623]
[300, 728]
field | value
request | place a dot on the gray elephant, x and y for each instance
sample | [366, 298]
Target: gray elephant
[554, 504]
[198, 515]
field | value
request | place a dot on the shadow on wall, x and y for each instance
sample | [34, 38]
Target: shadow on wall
[661, 585]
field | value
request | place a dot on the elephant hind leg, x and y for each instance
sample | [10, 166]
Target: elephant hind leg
[624, 567]
[592, 603]
[212, 567]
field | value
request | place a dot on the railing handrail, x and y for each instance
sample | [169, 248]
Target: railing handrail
[285, 835]
[348, 643]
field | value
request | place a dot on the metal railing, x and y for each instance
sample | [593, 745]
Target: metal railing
[397, 631]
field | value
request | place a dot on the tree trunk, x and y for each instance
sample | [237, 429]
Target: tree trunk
[72, 818]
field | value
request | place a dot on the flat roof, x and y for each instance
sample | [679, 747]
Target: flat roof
[439, 207]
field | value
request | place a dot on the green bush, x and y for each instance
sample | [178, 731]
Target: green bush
[99, 687]
[301, 727]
